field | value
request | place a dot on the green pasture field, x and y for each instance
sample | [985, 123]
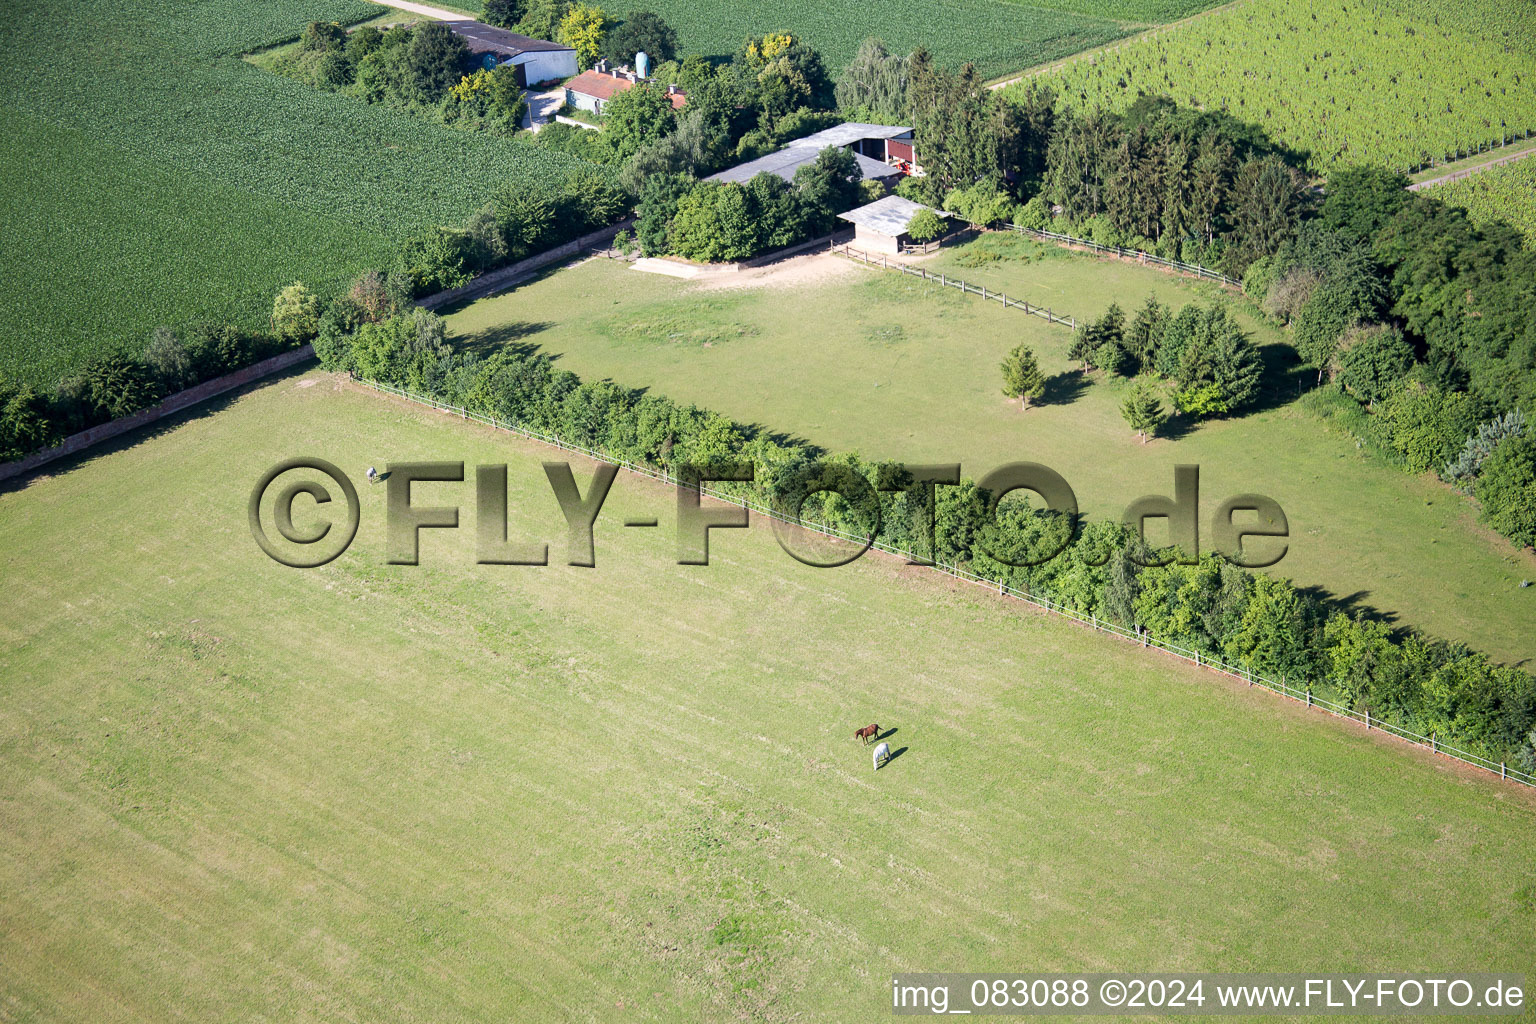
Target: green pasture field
[1399, 83]
[233, 791]
[870, 361]
[152, 176]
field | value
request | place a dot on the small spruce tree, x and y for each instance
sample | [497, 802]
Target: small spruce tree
[1143, 410]
[1022, 378]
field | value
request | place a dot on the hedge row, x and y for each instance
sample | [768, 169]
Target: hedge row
[1247, 619]
[118, 384]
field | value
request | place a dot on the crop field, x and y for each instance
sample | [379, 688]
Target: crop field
[998, 36]
[1395, 83]
[1506, 192]
[235, 791]
[894, 369]
[156, 177]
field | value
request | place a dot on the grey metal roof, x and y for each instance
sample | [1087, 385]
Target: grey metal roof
[785, 162]
[795, 155]
[889, 216]
[481, 37]
[850, 132]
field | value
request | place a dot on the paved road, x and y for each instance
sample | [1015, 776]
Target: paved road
[422, 9]
[1457, 175]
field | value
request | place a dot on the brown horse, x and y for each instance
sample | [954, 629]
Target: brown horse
[867, 733]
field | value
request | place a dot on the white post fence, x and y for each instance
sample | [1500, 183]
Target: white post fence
[945, 281]
[1144, 257]
[1133, 635]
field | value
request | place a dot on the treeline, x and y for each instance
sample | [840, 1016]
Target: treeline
[1213, 366]
[1396, 299]
[1424, 321]
[716, 221]
[117, 384]
[521, 220]
[424, 68]
[1246, 619]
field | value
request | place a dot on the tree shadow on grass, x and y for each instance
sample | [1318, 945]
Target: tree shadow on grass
[1063, 388]
[1282, 380]
[506, 336]
[1177, 427]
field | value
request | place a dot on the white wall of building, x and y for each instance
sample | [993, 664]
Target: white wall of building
[546, 65]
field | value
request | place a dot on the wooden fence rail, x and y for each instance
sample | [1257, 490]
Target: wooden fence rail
[1145, 257]
[1046, 313]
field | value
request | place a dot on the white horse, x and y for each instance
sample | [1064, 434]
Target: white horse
[882, 754]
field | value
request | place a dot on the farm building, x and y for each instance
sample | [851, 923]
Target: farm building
[591, 89]
[537, 60]
[881, 226]
[883, 152]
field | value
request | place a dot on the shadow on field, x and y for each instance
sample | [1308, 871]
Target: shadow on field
[894, 755]
[1282, 380]
[886, 735]
[505, 336]
[1063, 388]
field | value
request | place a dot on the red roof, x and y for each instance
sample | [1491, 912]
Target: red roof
[606, 86]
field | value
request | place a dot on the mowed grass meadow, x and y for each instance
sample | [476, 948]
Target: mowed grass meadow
[859, 359]
[152, 176]
[233, 791]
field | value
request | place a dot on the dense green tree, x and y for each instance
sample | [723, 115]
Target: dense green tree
[924, 227]
[584, 28]
[873, 86]
[642, 32]
[1145, 333]
[638, 116]
[1022, 378]
[1143, 409]
[827, 186]
[714, 224]
[695, 148]
[322, 36]
[25, 425]
[542, 18]
[295, 314]
[1267, 202]
[115, 385]
[778, 211]
[659, 200]
[1320, 325]
[1506, 488]
[1218, 367]
[503, 13]
[955, 124]
[1371, 361]
[984, 204]
[1362, 200]
[434, 62]
[1424, 423]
